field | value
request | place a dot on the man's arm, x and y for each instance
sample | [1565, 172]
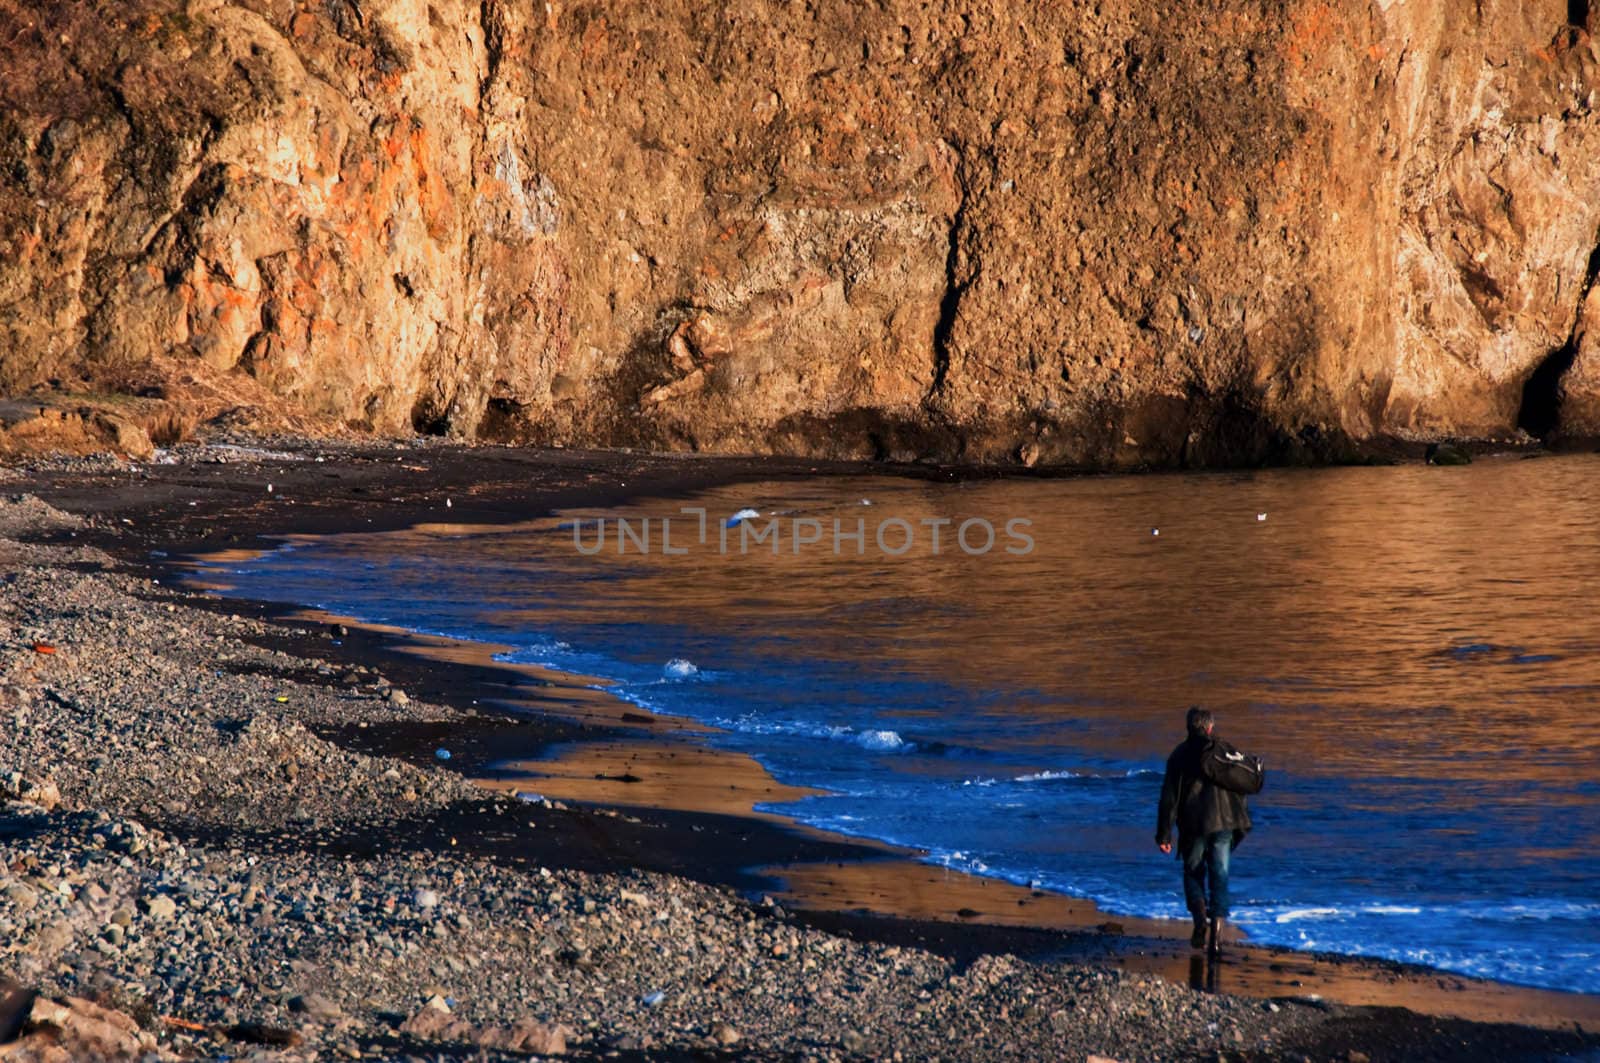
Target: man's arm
[1167, 811]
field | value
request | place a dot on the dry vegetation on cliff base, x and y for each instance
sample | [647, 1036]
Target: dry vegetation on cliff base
[1083, 233]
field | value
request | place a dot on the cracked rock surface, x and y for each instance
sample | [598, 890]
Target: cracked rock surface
[1090, 233]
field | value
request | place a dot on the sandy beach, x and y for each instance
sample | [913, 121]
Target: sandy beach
[228, 830]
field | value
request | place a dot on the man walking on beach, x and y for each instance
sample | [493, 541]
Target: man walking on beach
[1203, 795]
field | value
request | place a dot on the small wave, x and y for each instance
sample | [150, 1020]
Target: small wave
[1295, 915]
[743, 514]
[1472, 649]
[679, 668]
[1481, 651]
[1480, 912]
[880, 740]
[538, 653]
[1061, 775]
[1544, 910]
[958, 860]
[935, 748]
[1045, 776]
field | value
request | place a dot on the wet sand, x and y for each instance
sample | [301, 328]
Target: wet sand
[571, 743]
[664, 773]
[1161, 947]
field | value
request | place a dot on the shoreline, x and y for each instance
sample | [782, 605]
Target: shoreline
[642, 761]
[167, 504]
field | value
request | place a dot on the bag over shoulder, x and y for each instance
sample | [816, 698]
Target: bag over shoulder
[1232, 770]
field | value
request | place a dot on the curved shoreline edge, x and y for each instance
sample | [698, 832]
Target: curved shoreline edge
[632, 761]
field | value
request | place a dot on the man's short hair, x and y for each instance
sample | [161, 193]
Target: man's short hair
[1199, 720]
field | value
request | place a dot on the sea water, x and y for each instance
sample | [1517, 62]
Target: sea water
[1414, 651]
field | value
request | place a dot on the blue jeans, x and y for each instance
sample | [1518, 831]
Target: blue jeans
[1207, 855]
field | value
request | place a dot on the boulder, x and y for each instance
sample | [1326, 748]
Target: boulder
[159, 907]
[16, 786]
[80, 1029]
[1447, 454]
[527, 1036]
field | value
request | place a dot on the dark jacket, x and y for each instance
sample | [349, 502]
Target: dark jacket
[1192, 802]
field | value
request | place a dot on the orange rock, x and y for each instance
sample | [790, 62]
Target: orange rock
[450, 228]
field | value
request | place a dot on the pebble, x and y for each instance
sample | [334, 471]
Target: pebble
[316, 1006]
[22, 896]
[160, 907]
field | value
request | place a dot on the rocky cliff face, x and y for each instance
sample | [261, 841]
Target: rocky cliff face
[1098, 232]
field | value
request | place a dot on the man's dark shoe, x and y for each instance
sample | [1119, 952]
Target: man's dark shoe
[1216, 937]
[1197, 940]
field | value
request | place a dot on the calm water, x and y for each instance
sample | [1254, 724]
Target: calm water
[1414, 651]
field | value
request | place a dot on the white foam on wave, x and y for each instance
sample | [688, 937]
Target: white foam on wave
[957, 860]
[1546, 910]
[1294, 915]
[679, 668]
[880, 740]
[1054, 775]
[1062, 774]
[1048, 776]
[536, 653]
[743, 514]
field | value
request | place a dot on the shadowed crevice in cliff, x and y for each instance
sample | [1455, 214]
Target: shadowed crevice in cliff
[955, 286]
[1540, 413]
[1578, 13]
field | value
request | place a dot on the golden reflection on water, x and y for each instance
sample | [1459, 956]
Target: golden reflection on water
[1402, 622]
[1414, 650]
